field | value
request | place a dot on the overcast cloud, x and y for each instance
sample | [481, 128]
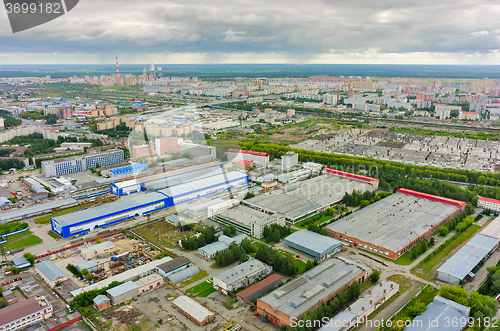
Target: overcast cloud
[258, 31]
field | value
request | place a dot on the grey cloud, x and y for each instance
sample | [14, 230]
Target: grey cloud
[291, 26]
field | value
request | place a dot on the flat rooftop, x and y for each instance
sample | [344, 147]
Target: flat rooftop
[298, 296]
[467, 257]
[240, 271]
[313, 241]
[299, 199]
[395, 221]
[246, 216]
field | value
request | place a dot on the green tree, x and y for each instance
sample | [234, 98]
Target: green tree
[29, 257]
[375, 276]
[364, 203]
[3, 303]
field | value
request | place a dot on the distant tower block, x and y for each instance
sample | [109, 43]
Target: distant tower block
[152, 70]
[144, 72]
[160, 73]
[117, 71]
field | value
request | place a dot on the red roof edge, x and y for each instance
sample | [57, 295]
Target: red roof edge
[489, 200]
[432, 197]
[348, 174]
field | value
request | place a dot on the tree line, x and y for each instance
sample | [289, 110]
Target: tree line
[206, 236]
[234, 253]
[12, 227]
[284, 264]
[275, 233]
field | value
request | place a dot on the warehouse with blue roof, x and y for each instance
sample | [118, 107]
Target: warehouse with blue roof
[84, 221]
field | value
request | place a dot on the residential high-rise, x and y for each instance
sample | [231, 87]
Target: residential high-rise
[167, 145]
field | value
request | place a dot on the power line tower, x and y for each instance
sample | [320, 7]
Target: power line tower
[2, 251]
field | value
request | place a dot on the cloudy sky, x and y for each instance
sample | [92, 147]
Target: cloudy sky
[262, 31]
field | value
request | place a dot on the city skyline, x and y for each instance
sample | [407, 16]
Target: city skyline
[357, 32]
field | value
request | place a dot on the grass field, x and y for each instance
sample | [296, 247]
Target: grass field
[161, 233]
[20, 240]
[425, 269]
[202, 274]
[53, 234]
[46, 219]
[324, 218]
[425, 296]
[201, 287]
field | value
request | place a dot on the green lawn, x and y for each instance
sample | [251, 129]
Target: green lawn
[200, 287]
[194, 278]
[426, 296]
[207, 292]
[53, 235]
[324, 218]
[301, 266]
[46, 219]
[425, 269]
[24, 239]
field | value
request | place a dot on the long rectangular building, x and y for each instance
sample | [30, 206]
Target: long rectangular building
[310, 290]
[301, 200]
[394, 225]
[242, 275]
[248, 220]
[25, 313]
[260, 159]
[313, 244]
[79, 163]
[81, 222]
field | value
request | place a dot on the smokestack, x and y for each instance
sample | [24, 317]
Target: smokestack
[117, 71]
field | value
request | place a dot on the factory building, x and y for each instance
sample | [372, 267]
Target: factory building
[394, 225]
[104, 248]
[21, 315]
[149, 282]
[487, 203]
[81, 222]
[166, 179]
[171, 267]
[372, 181]
[259, 289]
[301, 200]
[242, 275]
[294, 176]
[248, 220]
[125, 276]
[438, 313]
[183, 274]
[50, 273]
[260, 159]
[221, 206]
[459, 267]
[310, 290]
[51, 168]
[193, 310]
[200, 210]
[313, 244]
[90, 265]
[123, 292]
[209, 251]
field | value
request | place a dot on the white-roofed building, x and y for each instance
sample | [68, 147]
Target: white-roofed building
[193, 310]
